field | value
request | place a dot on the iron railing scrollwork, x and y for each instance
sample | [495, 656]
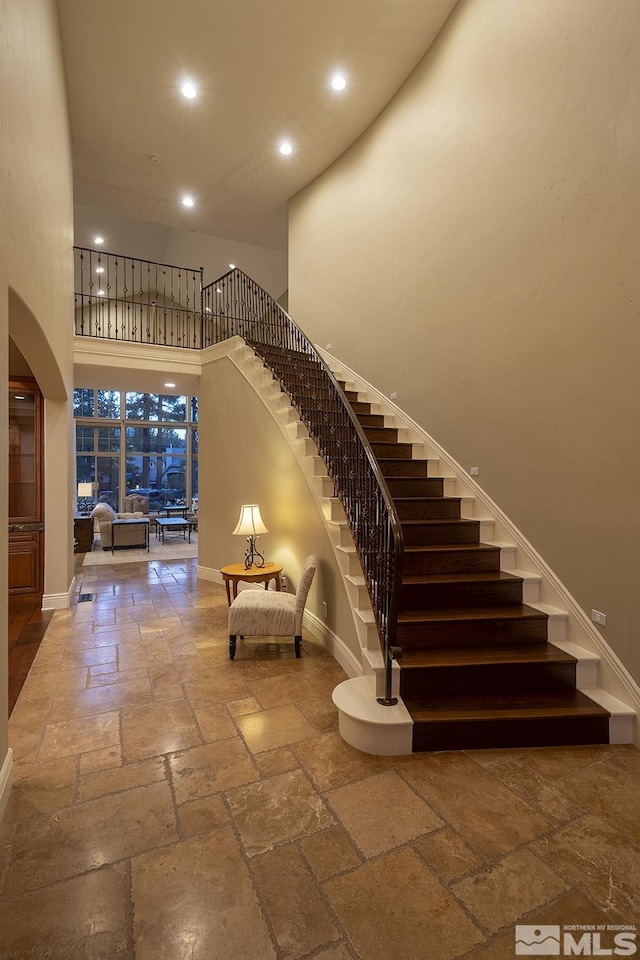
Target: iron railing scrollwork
[124, 298]
[236, 305]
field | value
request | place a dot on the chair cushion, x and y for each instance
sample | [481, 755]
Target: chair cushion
[257, 613]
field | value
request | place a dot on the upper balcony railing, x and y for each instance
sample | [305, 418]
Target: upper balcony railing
[124, 298]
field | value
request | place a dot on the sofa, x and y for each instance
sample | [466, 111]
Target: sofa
[103, 516]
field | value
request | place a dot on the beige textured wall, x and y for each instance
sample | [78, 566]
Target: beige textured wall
[476, 251]
[244, 458]
[35, 259]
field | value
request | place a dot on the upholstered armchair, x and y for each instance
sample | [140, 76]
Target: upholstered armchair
[136, 503]
[260, 613]
[103, 514]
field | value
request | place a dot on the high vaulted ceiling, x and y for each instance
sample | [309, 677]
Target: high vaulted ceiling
[262, 68]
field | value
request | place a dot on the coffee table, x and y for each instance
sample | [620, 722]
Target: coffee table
[168, 525]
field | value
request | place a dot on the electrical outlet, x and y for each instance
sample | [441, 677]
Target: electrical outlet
[598, 617]
[393, 396]
[328, 346]
[325, 610]
[474, 471]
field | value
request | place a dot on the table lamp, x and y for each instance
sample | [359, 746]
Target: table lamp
[250, 525]
[85, 492]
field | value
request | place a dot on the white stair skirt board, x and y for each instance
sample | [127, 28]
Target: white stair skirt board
[367, 725]
[5, 780]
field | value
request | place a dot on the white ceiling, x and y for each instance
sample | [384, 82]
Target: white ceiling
[263, 70]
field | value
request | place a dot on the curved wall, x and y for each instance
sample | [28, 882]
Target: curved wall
[476, 251]
[36, 237]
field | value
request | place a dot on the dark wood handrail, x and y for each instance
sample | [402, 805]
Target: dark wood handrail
[234, 305]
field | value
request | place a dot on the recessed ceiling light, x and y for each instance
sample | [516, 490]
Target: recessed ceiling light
[285, 148]
[189, 90]
[207, 310]
[169, 384]
[232, 266]
[98, 240]
[187, 201]
[101, 293]
[338, 81]
[99, 269]
[218, 290]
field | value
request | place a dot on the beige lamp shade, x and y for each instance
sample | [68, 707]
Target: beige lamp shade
[85, 489]
[250, 523]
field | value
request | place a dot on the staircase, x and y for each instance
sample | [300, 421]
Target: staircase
[477, 669]
[484, 664]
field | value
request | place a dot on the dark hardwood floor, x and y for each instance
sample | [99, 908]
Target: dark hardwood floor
[27, 625]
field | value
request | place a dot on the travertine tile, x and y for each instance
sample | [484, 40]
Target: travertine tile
[330, 852]
[82, 918]
[554, 801]
[219, 687]
[279, 690]
[121, 778]
[297, 912]
[276, 761]
[494, 822]
[202, 815]
[273, 811]
[606, 790]
[208, 899]
[409, 816]
[554, 762]
[447, 854]
[332, 763]
[572, 909]
[214, 722]
[40, 788]
[88, 835]
[38, 682]
[274, 728]
[506, 890]
[158, 728]
[101, 677]
[394, 907]
[103, 759]
[336, 951]
[78, 736]
[238, 708]
[599, 860]
[212, 768]
[321, 713]
[114, 696]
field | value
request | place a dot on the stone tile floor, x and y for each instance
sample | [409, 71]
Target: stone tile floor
[169, 804]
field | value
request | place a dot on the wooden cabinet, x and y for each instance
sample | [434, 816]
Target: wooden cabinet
[82, 533]
[26, 520]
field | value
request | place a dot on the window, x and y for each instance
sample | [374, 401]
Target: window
[152, 449]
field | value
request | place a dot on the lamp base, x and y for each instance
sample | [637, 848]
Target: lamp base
[253, 557]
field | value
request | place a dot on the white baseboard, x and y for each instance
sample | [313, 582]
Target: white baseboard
[337, 647]
[59, 601]
[5, 780]
[208, 573]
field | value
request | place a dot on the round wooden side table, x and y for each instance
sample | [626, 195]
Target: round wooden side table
[233, 573]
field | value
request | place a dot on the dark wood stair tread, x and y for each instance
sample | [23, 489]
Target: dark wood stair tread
[481, 576]
[514, 612]
[511, 706]
[450, 547]
[485, 654]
